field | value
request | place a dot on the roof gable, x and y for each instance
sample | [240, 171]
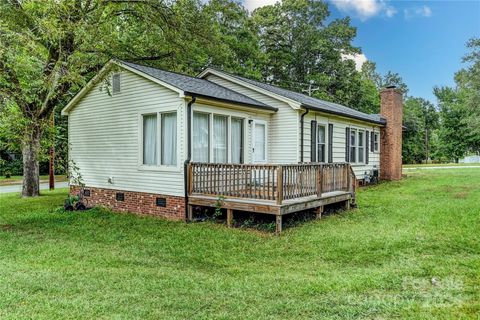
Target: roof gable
[301, 99]
[197, 86]
[182, 84]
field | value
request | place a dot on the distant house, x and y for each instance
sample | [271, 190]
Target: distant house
[260, 147]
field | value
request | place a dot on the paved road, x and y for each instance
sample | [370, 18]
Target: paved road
[442, 167]
[18, 187]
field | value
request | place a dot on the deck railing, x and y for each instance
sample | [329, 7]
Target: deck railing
[270, 181]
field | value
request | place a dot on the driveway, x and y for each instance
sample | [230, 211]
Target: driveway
[43, 186]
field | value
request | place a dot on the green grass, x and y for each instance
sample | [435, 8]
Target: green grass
[440, 165]
[375, 262]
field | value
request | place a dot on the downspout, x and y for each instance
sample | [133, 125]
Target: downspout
[301, 134]
[189, 152]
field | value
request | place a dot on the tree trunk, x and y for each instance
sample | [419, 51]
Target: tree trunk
[31, 173]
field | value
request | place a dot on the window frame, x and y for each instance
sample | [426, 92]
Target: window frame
[242, 139]
[158, 166]
[212, 137]
[358, 149]
[325, 146]
[264, 123]
[376, 142]
[353, 146]
[229, 117]
[362, 148]
[114, 74]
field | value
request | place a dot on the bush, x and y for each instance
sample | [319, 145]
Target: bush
[12, 167]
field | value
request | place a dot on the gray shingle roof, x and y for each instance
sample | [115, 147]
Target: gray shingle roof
[314, 103]
[198, 86]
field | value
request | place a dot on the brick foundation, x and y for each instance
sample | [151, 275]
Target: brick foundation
[391, 135]
[136, 202]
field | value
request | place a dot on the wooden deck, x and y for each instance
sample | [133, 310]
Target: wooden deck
[268, 188]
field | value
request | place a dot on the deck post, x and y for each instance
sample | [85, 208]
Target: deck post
[318, 212]
[229, 217]
[319, 180]
[190, 213]
[349, 178]
[279, 185]
[278, 224]
[347, 204]
[190, 179]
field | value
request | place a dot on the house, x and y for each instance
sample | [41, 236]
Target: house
[255, 146]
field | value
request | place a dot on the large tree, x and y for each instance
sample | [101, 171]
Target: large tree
[49, 49]
[420, 119]
[459, 133]
[304, 50]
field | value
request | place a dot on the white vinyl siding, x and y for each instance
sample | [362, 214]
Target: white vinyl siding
[105, 134]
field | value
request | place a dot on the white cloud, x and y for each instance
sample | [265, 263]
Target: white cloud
[424, 11]
[359, 59]
[251, 5]
[365, 9]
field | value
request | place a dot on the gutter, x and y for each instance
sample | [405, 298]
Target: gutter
[265, 107]
[301, 133]
[383, 123]
[189, 152]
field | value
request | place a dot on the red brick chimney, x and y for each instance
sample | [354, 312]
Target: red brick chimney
[391, 108]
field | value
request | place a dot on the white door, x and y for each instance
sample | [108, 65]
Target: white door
[259, 141]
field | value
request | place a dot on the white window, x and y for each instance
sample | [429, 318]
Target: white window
[321, 143]
[161, 146]
[361, 146]
[116, 83]
[353, 145]
[201, 137]
[150, 139]
[260, 142]
[237, 140]
[375, 141]
[220, 138]
[217, 138]
[169, 139]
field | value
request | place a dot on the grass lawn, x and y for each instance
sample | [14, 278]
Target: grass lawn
[440, 165]
[377, 261]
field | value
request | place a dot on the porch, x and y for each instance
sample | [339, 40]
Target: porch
[269, 188]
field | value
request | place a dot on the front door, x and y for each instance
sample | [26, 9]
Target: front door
[259, 141]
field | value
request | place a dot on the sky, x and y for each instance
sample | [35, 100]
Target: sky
[423, 41]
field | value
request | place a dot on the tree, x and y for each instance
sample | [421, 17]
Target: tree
[468, 86]
[237, 47]
[301, 49]
[420, 118]
[460, 108]
[453, 134]
[49, 49]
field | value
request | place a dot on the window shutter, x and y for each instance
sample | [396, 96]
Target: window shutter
[347, 144]
[330, 143]
[313, 141]
[366, 146]
[372, 141]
